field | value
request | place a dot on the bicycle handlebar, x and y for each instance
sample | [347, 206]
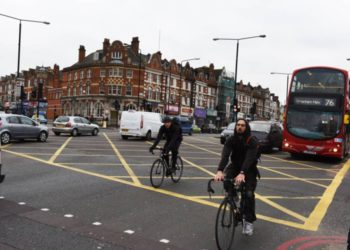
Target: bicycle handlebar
[211, 190]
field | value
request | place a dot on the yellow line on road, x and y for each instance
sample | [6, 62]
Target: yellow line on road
[268, 197]
[204, 149]
[59, 151]
[122, 160]
[198, 167]
[162, 191]
[315, 218]
[293, 177]
[301, 164]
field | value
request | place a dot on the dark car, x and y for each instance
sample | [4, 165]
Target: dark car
[268, 133]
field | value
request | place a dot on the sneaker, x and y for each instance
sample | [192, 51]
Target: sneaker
[248, 228]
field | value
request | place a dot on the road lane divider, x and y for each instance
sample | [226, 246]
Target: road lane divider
[123, 161]
[59, 151]
[315, 218]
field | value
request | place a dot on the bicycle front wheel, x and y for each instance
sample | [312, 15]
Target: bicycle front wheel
[157, 173]
[225, 225]
[176, 176]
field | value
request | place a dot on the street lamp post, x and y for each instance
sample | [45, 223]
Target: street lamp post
[237, 39]
[285, 74]
[19, 46]
[180, 94]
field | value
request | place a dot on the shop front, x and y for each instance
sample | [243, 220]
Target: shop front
[186, 111]
[172, 110]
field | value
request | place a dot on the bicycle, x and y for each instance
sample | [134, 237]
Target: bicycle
[160, 167]
[230, 213]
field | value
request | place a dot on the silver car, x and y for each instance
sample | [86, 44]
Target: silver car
[74, 125]
[19, 127]
[227, 132]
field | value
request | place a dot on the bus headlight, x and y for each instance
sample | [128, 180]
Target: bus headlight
[335, 150]
[286, 144]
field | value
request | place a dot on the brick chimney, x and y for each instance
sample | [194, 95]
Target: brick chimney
[81, 53]
[56, 71]
[135, 44]
[106, 45]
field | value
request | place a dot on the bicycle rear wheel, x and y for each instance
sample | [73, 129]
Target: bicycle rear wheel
[176, 176]
[157, 173]
[225, 225]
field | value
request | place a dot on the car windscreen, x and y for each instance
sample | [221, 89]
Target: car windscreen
[62, 119]
[260, 127]
[231, 126]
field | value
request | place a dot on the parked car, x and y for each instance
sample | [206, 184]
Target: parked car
[42, 119]
[74, 125]
[268, 133]
[209, 128]
[14, 127]
[140, 124]
[227, 132]
[185, 123]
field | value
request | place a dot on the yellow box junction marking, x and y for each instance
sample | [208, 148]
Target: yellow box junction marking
[59, 151]
[122, 160]
[311, 223]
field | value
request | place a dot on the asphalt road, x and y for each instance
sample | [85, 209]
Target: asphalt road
[94, 193]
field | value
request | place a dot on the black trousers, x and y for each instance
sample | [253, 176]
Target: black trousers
[250, 186]
[174, 153]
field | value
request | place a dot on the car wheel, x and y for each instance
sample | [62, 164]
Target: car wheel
[149, 136]
[95, 132]
[57, 133]
[42, 136]
[5, 138]
[74, 132]
[124, 137]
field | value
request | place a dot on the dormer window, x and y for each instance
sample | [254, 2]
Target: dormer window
[116, 55]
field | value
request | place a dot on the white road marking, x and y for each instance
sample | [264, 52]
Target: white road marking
[165, 241]
[2, 197]
[129, 231]
[97, 223]
[69, 215]
[45, 209]
[21, 203]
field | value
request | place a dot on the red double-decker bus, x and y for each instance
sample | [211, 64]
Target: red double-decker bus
[316, 118]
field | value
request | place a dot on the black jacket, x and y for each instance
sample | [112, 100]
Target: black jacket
[243, 153]
[173, 136]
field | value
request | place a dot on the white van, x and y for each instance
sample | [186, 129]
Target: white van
[140, 124]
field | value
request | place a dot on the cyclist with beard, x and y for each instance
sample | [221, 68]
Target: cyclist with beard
[242, 148]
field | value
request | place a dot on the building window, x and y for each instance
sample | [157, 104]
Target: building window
[112, 89]
[128, 90]
[102, 73]
[88, 88]
[119, 90]
[150, 93]
[88, 74]
[75, 75]
[110, 71]
[158, 79]
[69, 76]
[82, 74]
[116, 55]
[75, 90]
[81, 89]
[68, 90]
[129, 73]
[158, 94]
[99, 109]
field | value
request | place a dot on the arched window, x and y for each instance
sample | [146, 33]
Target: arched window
[68, 90]
[81, 89]
[88, 88]
[99, 109]
[128, 90]
[150, 93]
[74, 90]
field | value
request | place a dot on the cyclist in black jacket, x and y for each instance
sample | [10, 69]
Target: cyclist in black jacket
[242, 148]
[173, 135]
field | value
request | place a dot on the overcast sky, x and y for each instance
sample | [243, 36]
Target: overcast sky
[298, 33]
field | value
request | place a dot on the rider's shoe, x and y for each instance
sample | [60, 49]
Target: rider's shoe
[248, 228]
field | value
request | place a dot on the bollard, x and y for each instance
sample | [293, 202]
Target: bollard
[2, 177]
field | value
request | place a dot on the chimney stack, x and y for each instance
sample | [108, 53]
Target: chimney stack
[105, 46]
[81, 53]
[135, 44]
